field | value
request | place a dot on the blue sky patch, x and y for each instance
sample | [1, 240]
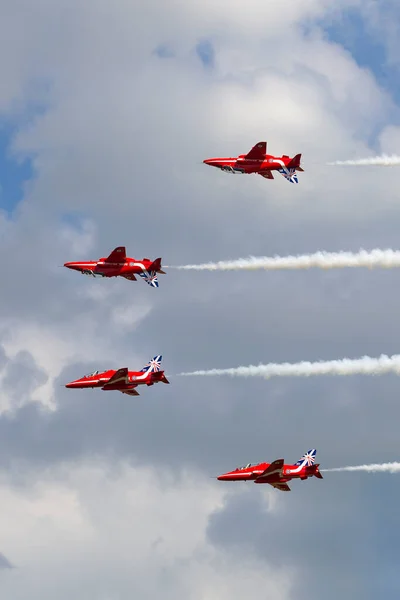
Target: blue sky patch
[205, 52]
[74, 219]
[352, 32]
[13, 173]
[164, 51]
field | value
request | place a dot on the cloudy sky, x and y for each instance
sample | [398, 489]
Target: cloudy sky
[107, 110]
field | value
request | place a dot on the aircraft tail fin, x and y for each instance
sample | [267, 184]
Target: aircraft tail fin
[308, 459]
[295, 163]
[156, 266]
[153, 366]
[160, 377]
[130, 392]
[289, 172]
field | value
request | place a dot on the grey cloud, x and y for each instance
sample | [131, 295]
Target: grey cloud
[23, 376]
[211, 425]
[331, 538]
[3, 358]
[126, 152]
[211, 428]
[4, 562]
[210, 422]
[322, 534]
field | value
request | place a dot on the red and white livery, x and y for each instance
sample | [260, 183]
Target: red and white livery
[120, 265]
[276, 473]
[123, 380]
[258, 161]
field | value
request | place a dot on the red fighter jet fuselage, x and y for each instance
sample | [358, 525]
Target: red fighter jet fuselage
[258, 161]
[118, 264]
[276, 473]
[123, 380]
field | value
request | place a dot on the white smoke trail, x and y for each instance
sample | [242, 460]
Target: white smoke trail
[323, 260]
[393, 467]
[345, 366]
[376, 161]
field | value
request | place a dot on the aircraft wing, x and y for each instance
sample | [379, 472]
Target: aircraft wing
[258, 151]
[117, 255]
[267, 175]
[281, 486]
[274, 470]
[120, 376]
[131, 392]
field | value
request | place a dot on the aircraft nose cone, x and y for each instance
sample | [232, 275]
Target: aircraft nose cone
[212, 162]
[73, 266]
[71, 384]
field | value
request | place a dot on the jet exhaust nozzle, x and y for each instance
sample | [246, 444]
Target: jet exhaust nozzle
[317, 472]
[164, 379]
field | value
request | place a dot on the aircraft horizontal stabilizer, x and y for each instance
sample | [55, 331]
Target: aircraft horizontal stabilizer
[159, 377]
[283, 487]
[317, 472]
[132, 392]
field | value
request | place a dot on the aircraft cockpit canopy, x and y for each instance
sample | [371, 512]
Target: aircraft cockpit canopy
[92, 374]
[244, 467]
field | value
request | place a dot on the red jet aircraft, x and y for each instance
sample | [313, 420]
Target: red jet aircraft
[123, 380]
[276, 473]
[120, 264]
[258, 161]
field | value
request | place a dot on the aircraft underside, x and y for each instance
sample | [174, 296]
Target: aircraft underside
[229, 169]
[149, 277]
[289, 174]
[93, 273]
